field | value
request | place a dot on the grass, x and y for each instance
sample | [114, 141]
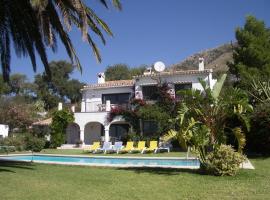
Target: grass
[40, 181]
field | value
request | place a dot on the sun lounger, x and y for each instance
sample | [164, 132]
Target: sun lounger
[93, 147]
[118, 146]
[141, 147]
[127, 148]
[163, 146]
[152, 147]
[107, 146]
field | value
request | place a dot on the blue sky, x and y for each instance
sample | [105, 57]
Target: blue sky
[149, 30]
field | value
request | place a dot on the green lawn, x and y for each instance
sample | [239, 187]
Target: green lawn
[40, 181]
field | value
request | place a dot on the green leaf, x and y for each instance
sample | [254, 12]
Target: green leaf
[218, 86]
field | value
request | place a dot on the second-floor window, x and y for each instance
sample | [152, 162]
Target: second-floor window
[149, 92]
[121, 98]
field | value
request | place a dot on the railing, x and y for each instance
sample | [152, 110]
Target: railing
[97, 107]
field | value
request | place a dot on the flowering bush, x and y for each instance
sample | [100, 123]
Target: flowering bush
[223, 161]
[137, 102]
[115, 112]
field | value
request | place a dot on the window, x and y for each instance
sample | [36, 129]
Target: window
[182, 86]
[121, 98]
[149, 92]
[150, 127]
[119, 130]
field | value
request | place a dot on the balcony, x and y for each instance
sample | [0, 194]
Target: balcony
[94, 107]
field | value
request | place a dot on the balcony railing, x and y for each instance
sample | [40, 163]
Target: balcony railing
[97, 107]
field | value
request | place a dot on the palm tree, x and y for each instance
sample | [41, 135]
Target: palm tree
[206, 117]
[34, 25]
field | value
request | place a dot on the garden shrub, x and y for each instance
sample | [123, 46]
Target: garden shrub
[7, 149]
[17, 141]
[258, 139]
[34, 144]
[223, 161]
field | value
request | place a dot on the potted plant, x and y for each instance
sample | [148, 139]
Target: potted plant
[78, 143]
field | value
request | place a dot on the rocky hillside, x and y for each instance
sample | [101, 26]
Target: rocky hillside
[215, 59]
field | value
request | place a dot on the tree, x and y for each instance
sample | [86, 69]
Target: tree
[206, 118]
[117, 72]
[34, 25]
[4, 88]
[123, 72]
[18, 85]
[251, 57]
[17, 113]
[60, 87]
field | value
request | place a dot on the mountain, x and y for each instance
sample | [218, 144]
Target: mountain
[215, 58]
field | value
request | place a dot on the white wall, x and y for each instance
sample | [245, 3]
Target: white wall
[83, 118]
[93, 97]
[4, 130]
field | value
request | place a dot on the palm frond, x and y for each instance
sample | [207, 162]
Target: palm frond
[172, 134]
[241, 139]
[33, 25]
[218, 86]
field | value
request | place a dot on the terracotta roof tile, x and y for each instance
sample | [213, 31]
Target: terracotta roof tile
[110, 84]
[43, 122]
[184, 72]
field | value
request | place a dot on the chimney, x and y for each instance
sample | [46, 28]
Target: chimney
[101, 77]
[60, 106]
[201, 64]
[148, 71]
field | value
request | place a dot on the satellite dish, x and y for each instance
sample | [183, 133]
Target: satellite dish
[159, 66]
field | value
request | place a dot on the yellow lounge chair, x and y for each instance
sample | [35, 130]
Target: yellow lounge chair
[141, 147]
[94, 147]
[152, 147]
[128, 147]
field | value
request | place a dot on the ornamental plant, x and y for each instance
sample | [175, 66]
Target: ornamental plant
[205, 119]
[224, 161]
[60, 121]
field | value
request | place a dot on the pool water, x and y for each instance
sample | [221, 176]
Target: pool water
[109, 161]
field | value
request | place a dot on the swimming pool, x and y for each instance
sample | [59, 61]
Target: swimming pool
[108, 161]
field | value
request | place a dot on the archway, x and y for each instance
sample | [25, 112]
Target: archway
[72, 133]
[93, 131]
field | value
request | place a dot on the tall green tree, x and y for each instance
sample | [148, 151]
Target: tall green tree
[35, 25]
[60, 87]
[251, 57]
[123, 72]
[18, 85]
[117, 72]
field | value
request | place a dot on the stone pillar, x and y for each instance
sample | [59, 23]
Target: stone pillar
[83, 106]
[73, 109]
[106, 134]
[82, 136]
[108, 106]
[60, 106]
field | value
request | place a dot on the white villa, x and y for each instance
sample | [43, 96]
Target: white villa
[91, 122]
[3, 130]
